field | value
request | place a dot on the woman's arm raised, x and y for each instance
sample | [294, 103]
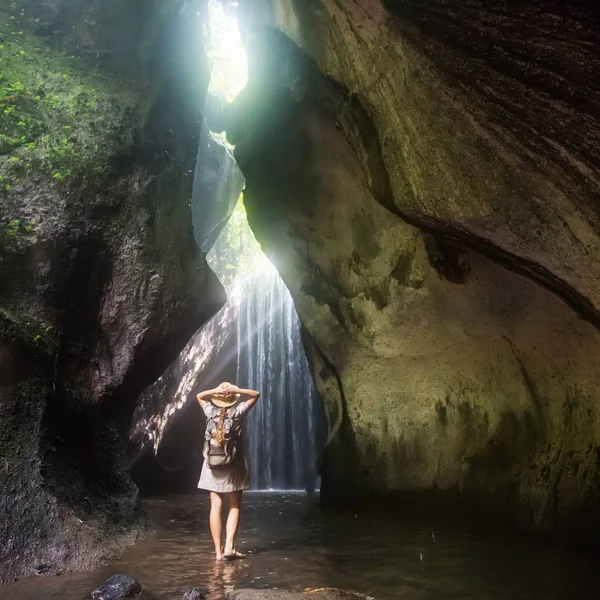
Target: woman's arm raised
[202, 396]
[253, 395]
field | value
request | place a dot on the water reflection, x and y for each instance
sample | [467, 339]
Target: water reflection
[222, 578]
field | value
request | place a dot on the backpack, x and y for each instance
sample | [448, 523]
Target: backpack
[221, 439]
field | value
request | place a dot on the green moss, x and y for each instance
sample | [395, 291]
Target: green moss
[56, 118]
[15, 232]
[29, 332]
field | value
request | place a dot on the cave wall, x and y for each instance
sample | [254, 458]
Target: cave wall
[218, 184]
[426, 175]
[484, 116]
[101, 282]
[165, 454]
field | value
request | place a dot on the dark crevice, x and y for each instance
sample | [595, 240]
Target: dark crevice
[340, 433]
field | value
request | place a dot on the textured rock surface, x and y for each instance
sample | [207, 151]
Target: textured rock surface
[101, 283]
[324, 594]
[117, 586]
[218, 184]
[427, 175]
[194, 594]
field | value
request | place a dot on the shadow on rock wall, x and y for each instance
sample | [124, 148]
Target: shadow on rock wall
[102, 282]
[426, 243]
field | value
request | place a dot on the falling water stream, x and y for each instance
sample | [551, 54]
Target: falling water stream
[282, 431]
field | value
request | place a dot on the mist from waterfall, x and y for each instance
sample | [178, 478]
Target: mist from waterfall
[253, 340]
[282, 432]
[266, 352]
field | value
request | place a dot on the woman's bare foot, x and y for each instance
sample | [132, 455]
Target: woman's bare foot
[233, 554]
[219, 554]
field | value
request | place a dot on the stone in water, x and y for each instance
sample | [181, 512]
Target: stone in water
[194, 594]
[117, 586]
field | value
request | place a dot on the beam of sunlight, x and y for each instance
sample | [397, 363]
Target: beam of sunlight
[235, 258]
[257, 332]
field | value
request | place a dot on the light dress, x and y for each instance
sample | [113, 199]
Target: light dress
[236, 477]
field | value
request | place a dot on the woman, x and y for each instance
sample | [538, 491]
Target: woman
[225, 470]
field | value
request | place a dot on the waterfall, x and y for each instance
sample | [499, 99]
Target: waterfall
[256, 335]
[254, 339]
[282, 432]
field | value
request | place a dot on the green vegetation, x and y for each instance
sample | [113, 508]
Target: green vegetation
[29, 332]
[226, 53]
[54, 115]
[236, 251]
[44, 332]
[13, 232]
[15, 227]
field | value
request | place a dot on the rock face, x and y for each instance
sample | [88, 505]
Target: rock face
[426, 174]
[101, 282]
[324, 594]
[218, 184]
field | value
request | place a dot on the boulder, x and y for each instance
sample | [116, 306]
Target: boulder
[194, 594]
[117, 586]
[319, 594]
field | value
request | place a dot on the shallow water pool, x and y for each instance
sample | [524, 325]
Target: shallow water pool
[291, 544]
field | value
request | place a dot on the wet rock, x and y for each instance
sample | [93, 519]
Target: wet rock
[117, 586]
[218, 183]
[194, 594]
[421, 200]
[42, 569]
[101, 281]
[320, 594]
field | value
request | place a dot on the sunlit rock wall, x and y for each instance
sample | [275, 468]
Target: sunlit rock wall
[217, 187]
[427, 176]
[101, 282]
[218, 184]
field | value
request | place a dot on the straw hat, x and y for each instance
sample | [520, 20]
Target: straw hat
[225, 400]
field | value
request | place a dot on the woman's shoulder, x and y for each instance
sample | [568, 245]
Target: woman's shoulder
[210, 409]
[241, 408]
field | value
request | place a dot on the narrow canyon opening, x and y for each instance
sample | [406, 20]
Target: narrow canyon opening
[382, 215]
[255, 339]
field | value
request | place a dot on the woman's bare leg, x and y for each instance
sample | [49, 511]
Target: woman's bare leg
[233, 520]
[216, 525]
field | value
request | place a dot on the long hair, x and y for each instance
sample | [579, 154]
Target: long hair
[219, 433]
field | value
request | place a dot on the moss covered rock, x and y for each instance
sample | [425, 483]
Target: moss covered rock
[101, 282]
